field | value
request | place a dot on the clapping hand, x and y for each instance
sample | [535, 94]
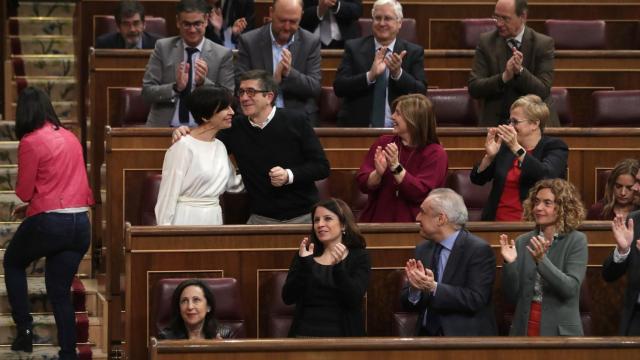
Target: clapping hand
[391, 155]
[306, 248]
[201, 71]
[238, 26]
[380, 161]
[492, 143]
[338, 252]
[508, 135]
[394, 63]
[508, 249]
[182, 76]
[623, 233]
[538, 247]
[419, 277]
[284, 66]
[379, 65]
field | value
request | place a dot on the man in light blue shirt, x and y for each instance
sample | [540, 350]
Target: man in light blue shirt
[451, 277]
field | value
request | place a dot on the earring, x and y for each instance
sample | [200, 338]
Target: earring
[344, 232]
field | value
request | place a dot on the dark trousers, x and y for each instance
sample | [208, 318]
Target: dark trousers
[63, 239]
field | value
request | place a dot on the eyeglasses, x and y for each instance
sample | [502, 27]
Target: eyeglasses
[187, 25]
[380, 18]
[251, 92]
[515, 122]
[500, 18]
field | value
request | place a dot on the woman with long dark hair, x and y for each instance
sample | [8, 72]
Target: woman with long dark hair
[52, 181]
[329, 275]
[619, 197]
[193, 317]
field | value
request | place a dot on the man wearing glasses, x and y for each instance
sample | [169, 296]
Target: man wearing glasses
[181, 63]
[129, 17]
[277, 152]
[377, 69]
[291, 54]
[511, 61]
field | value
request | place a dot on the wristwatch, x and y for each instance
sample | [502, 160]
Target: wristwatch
[520, 152]
[397, 170]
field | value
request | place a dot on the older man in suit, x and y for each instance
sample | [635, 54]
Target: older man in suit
[290, 54]
[625, 259]
[451, 278]
[511, 61]
[179, 64]
[377, 69]
[129, 16]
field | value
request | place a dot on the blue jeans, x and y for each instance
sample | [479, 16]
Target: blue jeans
[63, 239]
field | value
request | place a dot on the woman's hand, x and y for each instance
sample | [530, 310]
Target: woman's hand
[306, 248]
[20, 211]
[492, 143]
[538, 247]
[622, 233]
[509, 135]
[391, 154]
[337, 252]
[508, 249]
[380, 161]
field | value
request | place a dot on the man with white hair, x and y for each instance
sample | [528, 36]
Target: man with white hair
[451, 278]
[377, 69]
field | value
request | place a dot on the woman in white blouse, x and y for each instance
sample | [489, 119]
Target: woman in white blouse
[197, 169]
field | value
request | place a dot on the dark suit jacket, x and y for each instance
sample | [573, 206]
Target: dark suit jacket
[485, 80]
[547, 161]
[115, 41]
[346, 17]
[351, 80]
[612, 271]
[232, 11]
[302, 86]
[463, 297]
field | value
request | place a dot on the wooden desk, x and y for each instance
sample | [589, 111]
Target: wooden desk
[252, 253]
[488, 348]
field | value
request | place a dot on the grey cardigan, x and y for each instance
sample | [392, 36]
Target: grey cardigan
[562, 270]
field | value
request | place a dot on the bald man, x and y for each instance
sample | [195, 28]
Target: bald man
[511, 61]
[289, 53]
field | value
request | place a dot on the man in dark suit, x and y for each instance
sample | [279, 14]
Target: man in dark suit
[451, 278]
[129, 17]
[625, 259]
[290, 54]
[511, 61]
[181, 63]
[376, 69]
[228, 20]
[334, 21]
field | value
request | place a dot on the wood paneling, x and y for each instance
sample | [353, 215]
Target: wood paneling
[250, 254]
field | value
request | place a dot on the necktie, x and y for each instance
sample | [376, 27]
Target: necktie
[379, 100]
[513, 43]
[433, 320]
[183, 113]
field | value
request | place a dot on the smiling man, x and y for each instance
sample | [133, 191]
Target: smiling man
[376, 69]
[129, 16]
[181, 63]
[289, 53]
[511, 61]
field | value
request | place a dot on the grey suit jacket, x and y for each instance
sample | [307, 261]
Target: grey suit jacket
[612, 271]
[301, 87]
[160, 75]
[485, 80]
[463, 297]
[562, 270]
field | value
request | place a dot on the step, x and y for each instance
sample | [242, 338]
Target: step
[45, 331]
[8, 176]
[67, 111]
[49, 352]
[64, 66]
[8, 201]
[30, 45]
[59, 89]
[40, 26]
[37, 268]
[46, 9]
[40, 303]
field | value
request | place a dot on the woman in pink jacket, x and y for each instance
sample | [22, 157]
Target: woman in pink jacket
[52, 181]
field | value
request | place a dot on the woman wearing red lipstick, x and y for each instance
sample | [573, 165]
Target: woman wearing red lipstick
[401, 169]
[329, 276]
[543, 269]
[197, 169]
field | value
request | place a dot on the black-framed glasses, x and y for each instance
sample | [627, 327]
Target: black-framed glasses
[187, 25]
[251, 92]
[500, 18]
[515, 122]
